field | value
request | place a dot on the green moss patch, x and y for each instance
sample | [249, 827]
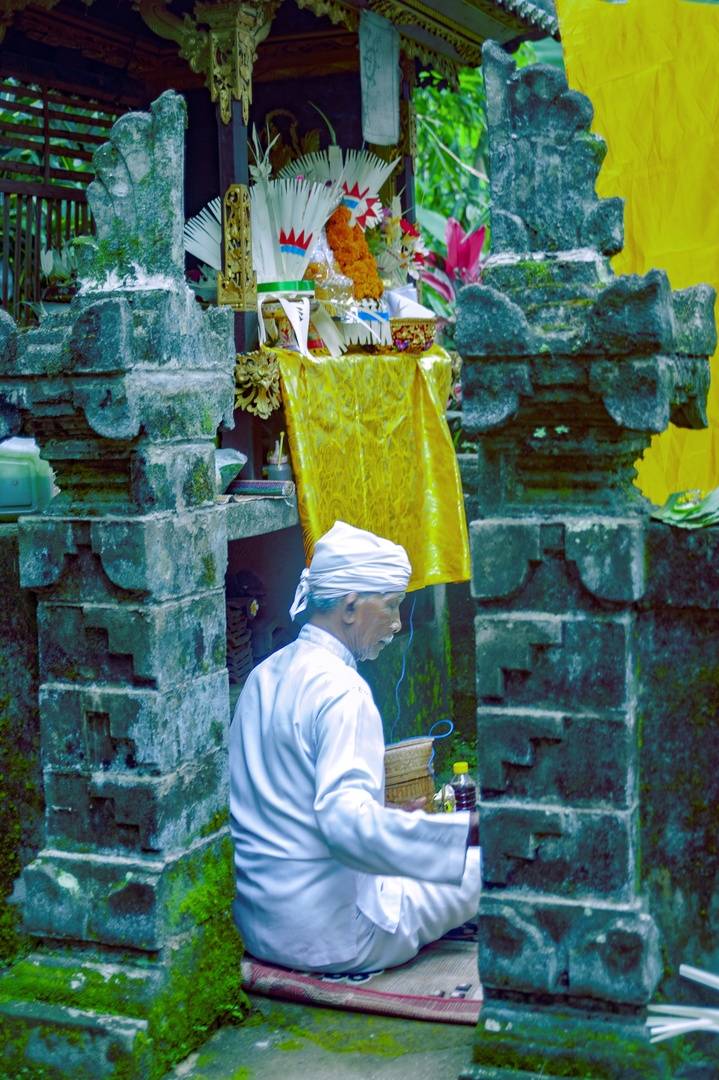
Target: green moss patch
[20, 799]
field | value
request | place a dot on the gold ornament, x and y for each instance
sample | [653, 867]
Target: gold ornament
[238, 285]
[257, 382]
[226, 52]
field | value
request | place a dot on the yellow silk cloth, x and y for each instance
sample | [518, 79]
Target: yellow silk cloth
[370, 446]
[649, 68]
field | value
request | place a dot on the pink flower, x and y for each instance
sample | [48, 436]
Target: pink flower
[464, 251]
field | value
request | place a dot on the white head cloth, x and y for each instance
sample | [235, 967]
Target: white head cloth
[348, 560]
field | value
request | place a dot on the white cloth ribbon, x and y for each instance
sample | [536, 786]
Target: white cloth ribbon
[296, 310]
[347, 560]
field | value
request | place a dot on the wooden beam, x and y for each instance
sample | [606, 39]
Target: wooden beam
[43, 191]
[100, 84]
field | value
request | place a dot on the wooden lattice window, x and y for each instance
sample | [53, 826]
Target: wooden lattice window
[47, 139]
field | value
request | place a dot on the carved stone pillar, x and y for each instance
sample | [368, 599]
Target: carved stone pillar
[568, 371]
[135, 953]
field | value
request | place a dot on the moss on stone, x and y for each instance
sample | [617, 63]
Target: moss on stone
[216, 822]
[20, 798]
[536, 272]
[363, 1041]
[196, 487]
[580, 1053]
[202, 989]
[211, 882]
[207, 575]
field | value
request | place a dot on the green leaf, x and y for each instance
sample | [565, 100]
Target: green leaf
[432, 222]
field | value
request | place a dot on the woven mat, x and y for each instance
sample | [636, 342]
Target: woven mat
[440, 984]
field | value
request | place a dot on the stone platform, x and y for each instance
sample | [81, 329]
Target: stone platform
[284, 1038]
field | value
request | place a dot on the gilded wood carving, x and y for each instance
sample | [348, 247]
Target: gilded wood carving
[238, 285]
[226, 51]
[257, 382]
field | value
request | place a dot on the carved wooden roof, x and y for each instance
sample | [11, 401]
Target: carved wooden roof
[445, 34]
[151, 45]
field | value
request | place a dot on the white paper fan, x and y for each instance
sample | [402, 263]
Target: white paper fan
[361, 174]
[203, 234]
[287, 215]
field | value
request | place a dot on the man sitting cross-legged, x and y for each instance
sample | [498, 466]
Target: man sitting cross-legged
[327, 877]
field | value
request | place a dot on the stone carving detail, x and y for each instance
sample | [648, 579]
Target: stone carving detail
[620, 958]
[609, 952]
[514, 952]
[125, 394]
[502, 553]
[514, 743]
[122, 424]
[539, 144]
[583, 757]
[610, 360]
[517, 834]
[568, 371]
[134, 199]
[575, 854]
[608, 553]
[505, 645]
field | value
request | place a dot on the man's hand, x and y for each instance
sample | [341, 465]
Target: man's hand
[415, 804]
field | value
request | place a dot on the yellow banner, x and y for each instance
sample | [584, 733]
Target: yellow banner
[649, 68]
[370, 446]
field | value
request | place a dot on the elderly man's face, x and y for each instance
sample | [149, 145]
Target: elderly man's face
[376, 622]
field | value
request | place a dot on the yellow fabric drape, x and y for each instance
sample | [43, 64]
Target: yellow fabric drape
[649, 68]
[370, 446]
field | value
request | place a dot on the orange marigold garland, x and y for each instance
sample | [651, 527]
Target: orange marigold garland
[352, 252]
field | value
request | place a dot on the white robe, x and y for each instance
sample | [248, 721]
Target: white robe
[319, 859]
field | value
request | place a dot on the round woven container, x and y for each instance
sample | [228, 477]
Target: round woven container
[406, 770]
[413, 335]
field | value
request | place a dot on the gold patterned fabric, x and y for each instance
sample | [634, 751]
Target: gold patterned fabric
[370, 446]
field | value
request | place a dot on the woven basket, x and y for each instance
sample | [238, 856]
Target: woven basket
[406, 770]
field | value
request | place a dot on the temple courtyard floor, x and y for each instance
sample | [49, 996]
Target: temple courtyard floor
[283, 1039]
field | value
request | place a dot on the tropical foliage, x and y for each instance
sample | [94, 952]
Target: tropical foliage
[452, 184]
[453, 163]
[452, 178]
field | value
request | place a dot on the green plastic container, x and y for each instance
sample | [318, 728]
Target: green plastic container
[26, 482]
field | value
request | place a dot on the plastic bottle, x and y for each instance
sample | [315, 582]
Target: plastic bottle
[465, 793]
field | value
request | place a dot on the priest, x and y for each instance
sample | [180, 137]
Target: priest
[327, 877]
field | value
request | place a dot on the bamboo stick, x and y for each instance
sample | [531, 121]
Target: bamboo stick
[16, 259]
[27, 281]
[5, 248]
[36, 250]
